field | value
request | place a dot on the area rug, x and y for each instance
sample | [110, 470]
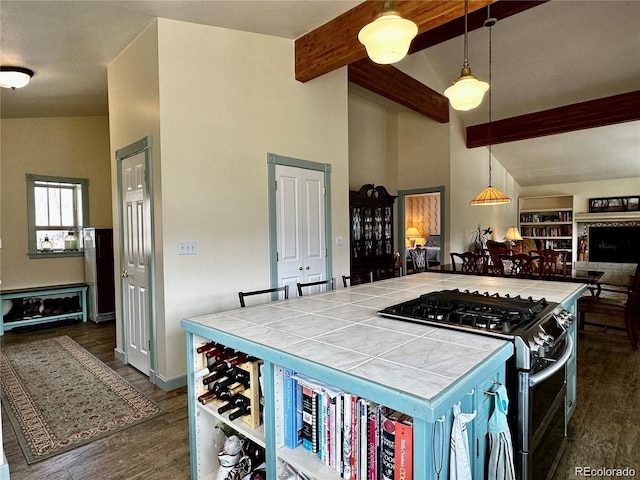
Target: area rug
[58, 396]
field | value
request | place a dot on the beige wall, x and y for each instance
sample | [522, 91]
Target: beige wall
[66, 147]
[226, 99]
[134, 114]
[583, 191]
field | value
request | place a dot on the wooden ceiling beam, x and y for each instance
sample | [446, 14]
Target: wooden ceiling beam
[500, 10]
[396, 85]
[579, 116]
[335, 44]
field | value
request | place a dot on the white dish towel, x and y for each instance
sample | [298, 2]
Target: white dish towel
[459, 464]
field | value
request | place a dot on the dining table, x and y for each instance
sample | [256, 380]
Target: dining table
[591, 277]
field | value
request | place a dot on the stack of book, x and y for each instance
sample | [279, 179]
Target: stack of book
[360, 439]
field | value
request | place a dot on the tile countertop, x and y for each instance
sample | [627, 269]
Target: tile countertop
[341, 329]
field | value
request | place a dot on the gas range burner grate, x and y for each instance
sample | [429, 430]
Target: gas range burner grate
[493, 313]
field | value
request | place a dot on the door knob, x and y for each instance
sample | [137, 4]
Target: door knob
[307, 267]
[299, 268]
[125, 274]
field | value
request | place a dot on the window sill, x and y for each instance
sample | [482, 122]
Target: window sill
[57, 254]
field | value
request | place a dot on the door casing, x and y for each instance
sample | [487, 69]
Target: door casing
[273, 160]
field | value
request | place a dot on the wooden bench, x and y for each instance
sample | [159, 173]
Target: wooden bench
[57, 291]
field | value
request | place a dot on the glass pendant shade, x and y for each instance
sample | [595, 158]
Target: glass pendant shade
[14, 77]
[388, 37]
[490, 196]
[467, 91]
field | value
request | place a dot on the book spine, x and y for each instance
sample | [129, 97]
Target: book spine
[338, 437]
[346, 435]
[355, 433]
[333, 431]
[373, 442]
[404, 448]
[364, 438]
[299, 413]
[289, 410]
[387, 445]
[308, 417]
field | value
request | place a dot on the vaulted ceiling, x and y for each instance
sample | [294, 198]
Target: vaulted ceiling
[565, 69]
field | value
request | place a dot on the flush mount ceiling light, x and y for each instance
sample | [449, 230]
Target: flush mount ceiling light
[14, 77]
[490, 195]
[388, 37]
[467, 91]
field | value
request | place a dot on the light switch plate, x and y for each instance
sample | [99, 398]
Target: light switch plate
[187, 248]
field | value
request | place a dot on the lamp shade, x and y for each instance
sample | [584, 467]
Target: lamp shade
[388, 37]
[512, 234]
[467, 91]
[14, 77]
[490, 196]
[412, 232]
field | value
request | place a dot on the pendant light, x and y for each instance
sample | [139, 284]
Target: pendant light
[467, 91]
[14, 77]
[490, 195]
[388, 37]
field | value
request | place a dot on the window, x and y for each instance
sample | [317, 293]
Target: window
[57, 209]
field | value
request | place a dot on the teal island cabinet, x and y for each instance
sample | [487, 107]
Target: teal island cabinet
[339, 339]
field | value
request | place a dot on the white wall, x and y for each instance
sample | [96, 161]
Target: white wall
[226, 99]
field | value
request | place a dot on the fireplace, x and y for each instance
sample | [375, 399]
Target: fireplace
[614, 244]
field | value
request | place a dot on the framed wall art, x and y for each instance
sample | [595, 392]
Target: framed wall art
[614, 204]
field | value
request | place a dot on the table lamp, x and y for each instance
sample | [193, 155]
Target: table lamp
[412, 235]
[512, 235]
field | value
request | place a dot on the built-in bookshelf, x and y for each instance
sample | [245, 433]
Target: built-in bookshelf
[548, 219]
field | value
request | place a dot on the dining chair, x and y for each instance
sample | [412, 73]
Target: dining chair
[551, 262]
[625, 306]
[522, 265]
[329, 285]
[495, 259]
[469, 262]
[419, 259]
[284, 289]
[346, 281]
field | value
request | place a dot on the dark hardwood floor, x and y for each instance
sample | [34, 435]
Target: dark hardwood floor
[602, 434]
[155, 449]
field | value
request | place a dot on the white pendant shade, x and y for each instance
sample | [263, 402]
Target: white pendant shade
[467, 91]
[388, 37]
[14, 77]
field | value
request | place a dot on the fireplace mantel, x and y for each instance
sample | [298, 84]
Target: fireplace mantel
[607, 217]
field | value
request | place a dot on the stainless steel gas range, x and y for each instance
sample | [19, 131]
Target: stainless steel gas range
[536, 375]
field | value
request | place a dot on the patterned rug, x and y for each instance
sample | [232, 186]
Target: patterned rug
[58, 396]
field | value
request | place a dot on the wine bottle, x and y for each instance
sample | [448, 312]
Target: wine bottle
[216, 376]
[218, 354]
[240, 412]
[236, 401]
[206, 347]
[215, 366]
[207, 396]
[228, 363]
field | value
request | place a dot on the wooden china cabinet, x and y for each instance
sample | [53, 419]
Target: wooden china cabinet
[371, 225]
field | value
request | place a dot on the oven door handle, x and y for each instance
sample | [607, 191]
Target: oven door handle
[557, 365]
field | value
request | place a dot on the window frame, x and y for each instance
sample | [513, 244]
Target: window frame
[31, 214]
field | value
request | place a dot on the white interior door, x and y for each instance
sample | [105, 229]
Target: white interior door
[135, 274]
[300, 226]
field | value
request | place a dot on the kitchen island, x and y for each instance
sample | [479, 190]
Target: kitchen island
[337, 337]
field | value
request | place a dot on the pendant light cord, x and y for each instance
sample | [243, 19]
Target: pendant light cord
[489, 22]
[466, 41]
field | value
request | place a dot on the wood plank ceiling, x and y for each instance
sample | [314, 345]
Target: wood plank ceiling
[335, 44]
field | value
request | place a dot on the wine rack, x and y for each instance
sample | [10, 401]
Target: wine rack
[252, 394]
